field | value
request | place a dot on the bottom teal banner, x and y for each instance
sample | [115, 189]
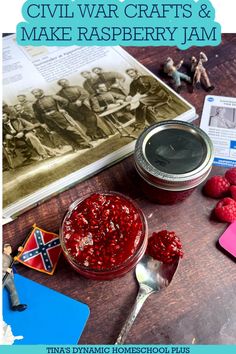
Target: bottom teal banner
[119, 349]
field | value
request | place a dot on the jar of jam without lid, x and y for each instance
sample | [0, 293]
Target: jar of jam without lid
[172, 158]
[103, 235]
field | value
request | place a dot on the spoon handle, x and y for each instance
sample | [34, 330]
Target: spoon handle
[144, 292]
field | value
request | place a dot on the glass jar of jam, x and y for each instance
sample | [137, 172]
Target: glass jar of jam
[103, 235]
[172, 158]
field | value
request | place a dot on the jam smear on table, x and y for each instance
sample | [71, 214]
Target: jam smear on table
[103, 231]
[165, 246]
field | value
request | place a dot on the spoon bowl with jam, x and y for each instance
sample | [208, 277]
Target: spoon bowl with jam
[154, 272]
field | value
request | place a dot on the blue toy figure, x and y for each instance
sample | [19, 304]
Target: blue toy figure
[172, 70]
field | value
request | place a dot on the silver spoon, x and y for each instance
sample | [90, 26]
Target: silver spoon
[152, 277]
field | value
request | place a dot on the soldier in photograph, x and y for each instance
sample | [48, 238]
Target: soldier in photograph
[77, 108]
[105, 100]
[23, 113]
[47, 110]
[113, 80]
[89, 82]
[150, 95]
[26, 132]
[21, 134]
[47, 136]
[24, 102]
[9, 110]
[9, 146]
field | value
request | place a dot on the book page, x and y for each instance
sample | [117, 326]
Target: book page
[68, 112]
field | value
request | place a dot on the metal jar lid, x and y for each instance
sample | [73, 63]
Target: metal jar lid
[173, 155]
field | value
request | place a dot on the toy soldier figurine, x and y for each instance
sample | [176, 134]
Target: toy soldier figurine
[173, 71]
[8, 279]
[200, 73]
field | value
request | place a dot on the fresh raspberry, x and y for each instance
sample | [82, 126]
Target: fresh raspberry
[165, 246]
[230, 175]
[233, 192]
[216, 187]
[225, 210]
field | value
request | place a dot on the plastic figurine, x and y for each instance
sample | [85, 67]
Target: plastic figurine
[8, 278]
[173, 70]
[200, 74]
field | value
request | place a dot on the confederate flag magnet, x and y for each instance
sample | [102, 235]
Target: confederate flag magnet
[41, 251]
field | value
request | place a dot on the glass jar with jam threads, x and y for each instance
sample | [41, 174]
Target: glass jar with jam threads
[172, 158]
[103, 235]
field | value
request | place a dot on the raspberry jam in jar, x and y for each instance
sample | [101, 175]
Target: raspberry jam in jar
[103, 235]
[172, 158]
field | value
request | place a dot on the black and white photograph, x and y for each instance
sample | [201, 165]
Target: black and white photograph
[222, 117]
[69, 112]
[219, 122]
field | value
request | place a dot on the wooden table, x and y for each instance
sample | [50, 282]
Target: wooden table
[199, 306]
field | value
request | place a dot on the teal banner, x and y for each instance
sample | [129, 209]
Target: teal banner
[120, 349]
[113, 22]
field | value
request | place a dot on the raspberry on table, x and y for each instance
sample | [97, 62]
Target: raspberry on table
[232, 190]
[216, 187]
[225, 210]
[230, 175]
[165, 246]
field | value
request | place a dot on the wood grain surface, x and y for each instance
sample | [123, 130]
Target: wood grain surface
[199, 305]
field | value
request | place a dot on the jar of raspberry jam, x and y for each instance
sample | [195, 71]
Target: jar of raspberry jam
[172, 158]
[103, 235]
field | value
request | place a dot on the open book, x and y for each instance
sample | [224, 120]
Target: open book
[68, 112]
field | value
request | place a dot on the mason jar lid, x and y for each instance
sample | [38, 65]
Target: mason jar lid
[173, 155]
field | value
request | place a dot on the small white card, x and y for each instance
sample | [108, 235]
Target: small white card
[219, 122]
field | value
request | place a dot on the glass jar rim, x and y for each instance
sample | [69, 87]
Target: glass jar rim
[170, 180]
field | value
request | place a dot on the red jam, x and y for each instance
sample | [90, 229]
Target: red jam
[162, 196]
[103, 235]
[165, 246]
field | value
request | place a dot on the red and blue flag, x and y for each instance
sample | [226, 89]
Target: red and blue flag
[41, 251]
